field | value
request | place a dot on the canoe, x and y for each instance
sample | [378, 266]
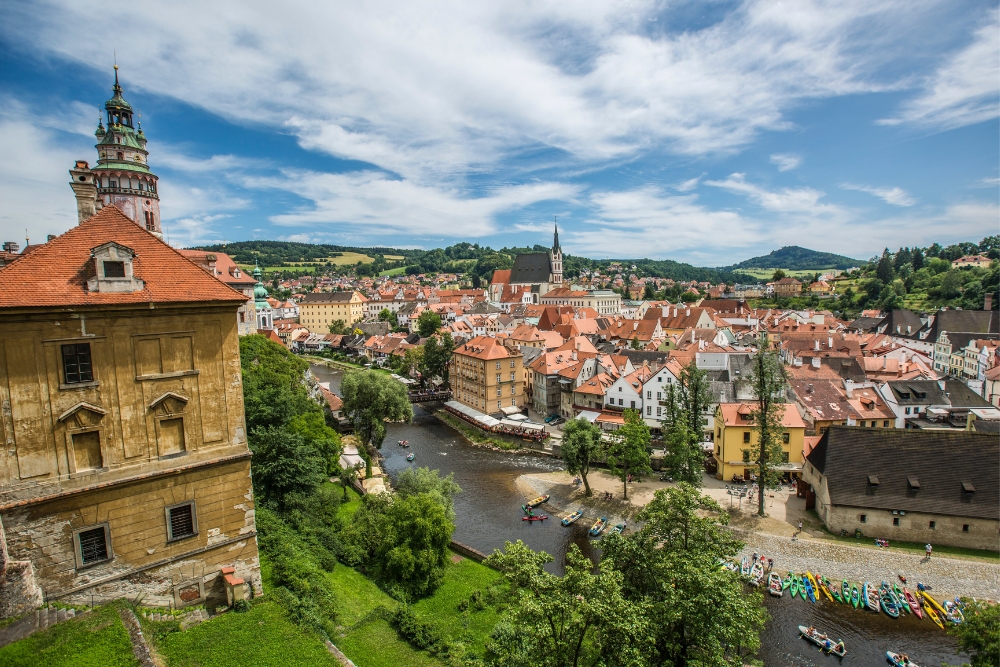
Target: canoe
[871, 597]
[813, 583]
[934, 603]
[896, 660]
[900, 600]
[825, 589]
[757, 574]
[598, 527]
[810, 592]
[794, 585]
[774, 585]
[537, 501]
[567, 520]
[787, 582]
[885, 599]
[855, 596]
[618, 529]
[834, 590]
[536, 517]
[745, 566]
[824, 642]
[912, 602]
[845, 591]
[931, 612]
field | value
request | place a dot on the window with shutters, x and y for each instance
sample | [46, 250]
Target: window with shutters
[182, 521]
[92, 545]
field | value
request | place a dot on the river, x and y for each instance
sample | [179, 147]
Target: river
[488, 514]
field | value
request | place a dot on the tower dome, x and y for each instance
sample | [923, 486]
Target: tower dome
[122, 173]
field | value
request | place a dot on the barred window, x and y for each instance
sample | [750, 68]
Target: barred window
[77, 366]
[93, 545]
[181, 521]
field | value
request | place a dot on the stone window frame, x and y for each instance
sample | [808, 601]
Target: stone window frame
[194, 520]
[78, 554]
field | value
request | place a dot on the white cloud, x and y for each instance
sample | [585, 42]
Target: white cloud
[381, 205]
[988, 182]
[426, 90]
[647, 222]
[688, 185]
[965, 89]
[894, 196]
[786, 200]
[786, 161]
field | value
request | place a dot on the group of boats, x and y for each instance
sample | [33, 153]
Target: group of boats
[406, 443]
[892, 599]
[599, 526]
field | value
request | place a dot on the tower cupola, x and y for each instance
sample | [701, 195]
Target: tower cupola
[122, 173]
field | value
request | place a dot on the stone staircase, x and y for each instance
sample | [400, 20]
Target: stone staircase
[37, 620]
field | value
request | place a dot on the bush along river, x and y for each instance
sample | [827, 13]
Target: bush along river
[488, 513]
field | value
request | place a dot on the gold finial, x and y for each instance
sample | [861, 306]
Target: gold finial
[116, 66]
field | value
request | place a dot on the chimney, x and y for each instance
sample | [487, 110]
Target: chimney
[85, 189]
[988, 303]
[573, 355]
[815, 362]
[816, 345]
[687, 312]
[675, 311]
[829, 341]
[849, 388]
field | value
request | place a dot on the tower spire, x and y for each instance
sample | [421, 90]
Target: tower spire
[555, 235]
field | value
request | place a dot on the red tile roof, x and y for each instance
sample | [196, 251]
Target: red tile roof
[56, 273]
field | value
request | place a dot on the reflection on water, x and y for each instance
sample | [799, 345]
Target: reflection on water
[488, 513]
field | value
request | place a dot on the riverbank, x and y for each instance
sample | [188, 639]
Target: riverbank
[775, 537]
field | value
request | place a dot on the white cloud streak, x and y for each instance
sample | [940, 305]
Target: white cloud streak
[786, 200]
[786, 161]
[965, 89]
[895, 196]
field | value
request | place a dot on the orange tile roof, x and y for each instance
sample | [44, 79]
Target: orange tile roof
[732, 415]
[484, 347]
[56, 273]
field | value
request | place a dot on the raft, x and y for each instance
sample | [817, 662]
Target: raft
[598, 526]
[618, 529]
[409, 457]
[825, 643]
[756, 574]
[774, 585]
[871, 597]
[896, 660]
[536, 501]
[567, 520]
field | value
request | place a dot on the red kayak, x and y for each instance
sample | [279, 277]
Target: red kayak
[539, 517]
[912, 601]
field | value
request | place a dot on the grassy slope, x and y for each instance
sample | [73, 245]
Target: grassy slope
[262, 636]
[97, 639]
[460, 580]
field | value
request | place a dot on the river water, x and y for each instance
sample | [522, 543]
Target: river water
[488, 514]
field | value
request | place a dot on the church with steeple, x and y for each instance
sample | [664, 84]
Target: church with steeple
[121, 176]
[539, 271]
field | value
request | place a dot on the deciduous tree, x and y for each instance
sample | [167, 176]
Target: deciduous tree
[428, 323]
[979, 635]
[580, 618]
[370, 400]
[581, 446]
[767, 382]
[627, 452]
[698, 613]
[283, 463]
[437, 356]
[683, 424]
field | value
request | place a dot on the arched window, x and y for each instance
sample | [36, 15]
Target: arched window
[121, 155]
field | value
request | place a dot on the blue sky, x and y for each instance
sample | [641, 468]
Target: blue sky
[705, 132]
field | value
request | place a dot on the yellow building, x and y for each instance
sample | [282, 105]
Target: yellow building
[319, 309]
[126, 470]
[736, 437]
[487, 376]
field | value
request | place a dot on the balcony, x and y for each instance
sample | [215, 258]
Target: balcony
[128, 191]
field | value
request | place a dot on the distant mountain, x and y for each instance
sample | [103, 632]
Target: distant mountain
[796, 258]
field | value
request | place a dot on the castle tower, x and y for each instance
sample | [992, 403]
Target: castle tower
[556, 258]
[265, 316]
[121, 176]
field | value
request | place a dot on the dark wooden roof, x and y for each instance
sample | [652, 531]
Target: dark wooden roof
[942, 461]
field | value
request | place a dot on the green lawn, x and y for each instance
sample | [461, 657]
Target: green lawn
[377, 644]
[461, 579]
[356, 594]
[97, 639]
[398, 271]
[347, 510]
[262, 636]
[767, 274]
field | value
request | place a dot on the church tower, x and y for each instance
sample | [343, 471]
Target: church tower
[556, 258]
[121, 176]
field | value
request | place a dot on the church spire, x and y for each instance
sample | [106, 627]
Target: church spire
[555, 237]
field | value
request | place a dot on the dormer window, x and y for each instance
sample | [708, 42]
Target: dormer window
[113, 265]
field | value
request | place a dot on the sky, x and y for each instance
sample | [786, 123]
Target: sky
[705, 132]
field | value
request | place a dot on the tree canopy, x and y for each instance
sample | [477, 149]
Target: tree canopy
[581, 446]
[428, 322]
[370, 399]
[627, 452]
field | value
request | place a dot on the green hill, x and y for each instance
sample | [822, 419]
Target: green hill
[797, 259]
